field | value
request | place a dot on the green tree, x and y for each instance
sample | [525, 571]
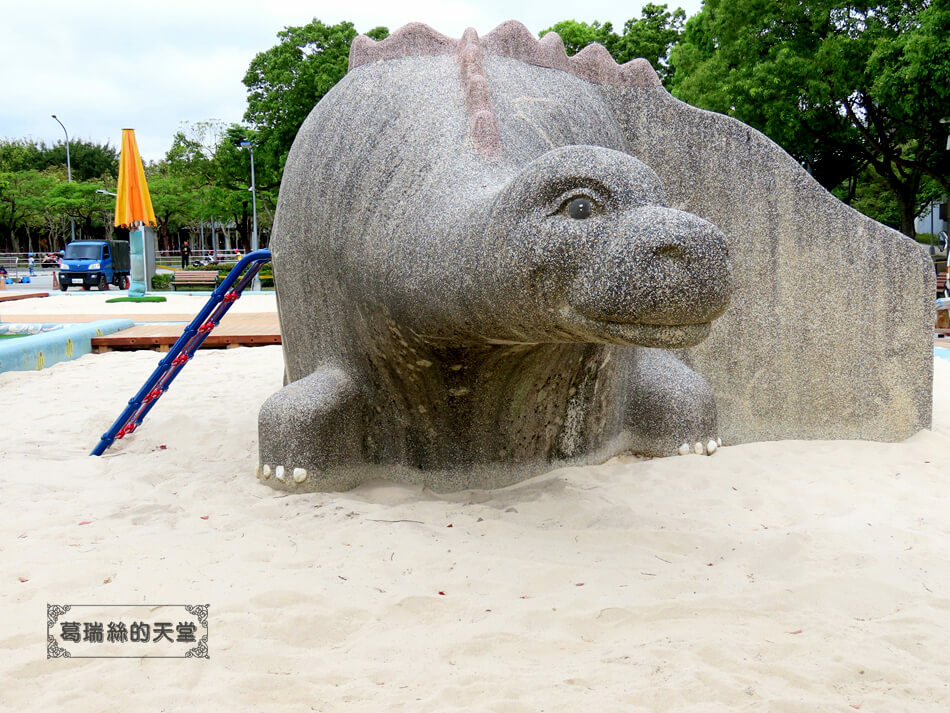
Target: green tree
[38, 218]
[839, 85]
[88, 160]
[286, 81]
[23, 202]
[577, 35]
[652, 36]
[18, 155]
[174, 201]
[870, 194]
[36, 201]
[209, 172]
[92, 211]
[193, 148]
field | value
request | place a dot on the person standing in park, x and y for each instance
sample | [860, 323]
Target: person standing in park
[185, 255]
[31, 261]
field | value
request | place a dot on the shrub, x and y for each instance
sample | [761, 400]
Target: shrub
[162, 281]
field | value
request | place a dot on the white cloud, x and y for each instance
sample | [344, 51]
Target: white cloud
[104, 65]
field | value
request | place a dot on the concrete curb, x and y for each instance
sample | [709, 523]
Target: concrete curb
[28, 327]
[47, 348]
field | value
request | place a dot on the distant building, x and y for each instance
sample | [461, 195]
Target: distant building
[932, 220]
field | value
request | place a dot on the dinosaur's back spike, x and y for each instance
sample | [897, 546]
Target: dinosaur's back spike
[510, 39]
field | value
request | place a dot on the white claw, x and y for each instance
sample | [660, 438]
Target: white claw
[300, 475]
[279, 473]
[684, 449]
[257, 471]
[265, 471]
[698, 448]
[711, 447]
[719, 442]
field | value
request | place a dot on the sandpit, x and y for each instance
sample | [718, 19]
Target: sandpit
[791, 576]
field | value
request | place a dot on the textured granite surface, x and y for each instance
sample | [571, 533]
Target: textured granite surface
[478, 276]
[830, 331]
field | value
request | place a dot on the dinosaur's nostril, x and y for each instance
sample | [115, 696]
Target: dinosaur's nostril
[670, 250]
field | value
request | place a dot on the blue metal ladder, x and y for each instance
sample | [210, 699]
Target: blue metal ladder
[184, 349]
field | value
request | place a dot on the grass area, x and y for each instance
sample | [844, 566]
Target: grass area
[138, 299]
[13, 336]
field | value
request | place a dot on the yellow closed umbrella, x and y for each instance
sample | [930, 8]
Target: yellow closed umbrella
[133, 204]
[133, 209]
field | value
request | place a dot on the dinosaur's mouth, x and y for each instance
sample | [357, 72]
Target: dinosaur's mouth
[664, 336]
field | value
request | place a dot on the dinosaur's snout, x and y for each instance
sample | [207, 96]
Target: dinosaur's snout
[659, 277]
[583, 232]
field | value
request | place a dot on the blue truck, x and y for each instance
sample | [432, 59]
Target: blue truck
[95, 263]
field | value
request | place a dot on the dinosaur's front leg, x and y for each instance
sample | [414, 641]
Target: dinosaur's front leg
[312, 433]
[670, 408]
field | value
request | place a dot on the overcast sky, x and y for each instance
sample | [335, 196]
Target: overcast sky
[103, 65]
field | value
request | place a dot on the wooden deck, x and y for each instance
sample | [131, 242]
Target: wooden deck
[141, 318]
[235, 330]
[22, 296]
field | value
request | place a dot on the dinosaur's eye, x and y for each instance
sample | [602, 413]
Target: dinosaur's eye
[579, 208]
[579, 202]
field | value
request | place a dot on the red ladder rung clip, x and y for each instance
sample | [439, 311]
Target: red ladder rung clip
[206, 327]
[179, 360]
[230, 297]
[153, 394]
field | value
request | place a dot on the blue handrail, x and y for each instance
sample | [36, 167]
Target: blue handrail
[184, 349]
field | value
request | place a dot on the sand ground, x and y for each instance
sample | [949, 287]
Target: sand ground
[786, 577]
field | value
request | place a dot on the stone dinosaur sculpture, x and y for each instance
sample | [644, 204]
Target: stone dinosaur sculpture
[478, 278]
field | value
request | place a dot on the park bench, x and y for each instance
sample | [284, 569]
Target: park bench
[942, 326]
[194, 278]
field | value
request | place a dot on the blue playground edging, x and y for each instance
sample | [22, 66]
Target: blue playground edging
[28, 328]
[46, 348]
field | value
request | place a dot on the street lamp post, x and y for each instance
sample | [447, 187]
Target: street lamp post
[69, 178]
[254, 244]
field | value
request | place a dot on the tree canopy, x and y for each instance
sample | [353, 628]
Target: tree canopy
[286, 81]
[855, 91]
[36, 201]
[651, 36]
[88, 160]
[843, 86]
[206, 175]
